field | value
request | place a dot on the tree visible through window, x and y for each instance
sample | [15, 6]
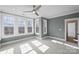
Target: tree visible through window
[30, 24]
[45, 26]
[37, 26]
[8, 23]
[21, 27]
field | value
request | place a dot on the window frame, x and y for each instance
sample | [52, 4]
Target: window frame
[2, 17]
[37, 20]
[15, 26]
[32, 26]
[20, 18]
[44, 22]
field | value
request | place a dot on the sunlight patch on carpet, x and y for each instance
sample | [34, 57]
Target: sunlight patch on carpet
[36, 43]
[25, 48]
[43, 48]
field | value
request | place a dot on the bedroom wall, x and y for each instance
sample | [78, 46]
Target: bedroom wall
[56, 26]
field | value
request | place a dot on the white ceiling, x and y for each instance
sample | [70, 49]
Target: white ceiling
[17, 9]
[47, 11]
[58, 10]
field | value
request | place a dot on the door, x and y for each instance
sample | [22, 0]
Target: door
[72, 31]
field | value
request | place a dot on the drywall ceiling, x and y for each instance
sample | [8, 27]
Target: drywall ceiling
[47, 11]
[18, 10]
[58, 10]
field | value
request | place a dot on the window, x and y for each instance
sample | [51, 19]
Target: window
[30, 26]
[21, 26]
[8, 23]
[44, 26]
[37, 25]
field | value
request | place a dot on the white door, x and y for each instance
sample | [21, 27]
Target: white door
[71, 29]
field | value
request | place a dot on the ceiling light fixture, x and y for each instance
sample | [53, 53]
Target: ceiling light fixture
[33, 11]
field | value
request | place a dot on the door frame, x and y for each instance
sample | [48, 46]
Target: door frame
[71, 21]
[66, 20]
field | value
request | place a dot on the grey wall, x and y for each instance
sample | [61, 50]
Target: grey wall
[56, 26]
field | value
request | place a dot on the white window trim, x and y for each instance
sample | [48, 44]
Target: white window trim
[16, 26]
[0, 28]
[32, 28]
[3, 35]
[37, 20]
[44, 21]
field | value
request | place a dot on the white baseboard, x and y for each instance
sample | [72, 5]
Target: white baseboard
[57, 38]
[15, 41]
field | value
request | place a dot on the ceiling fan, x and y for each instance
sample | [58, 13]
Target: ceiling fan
[35, 8]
